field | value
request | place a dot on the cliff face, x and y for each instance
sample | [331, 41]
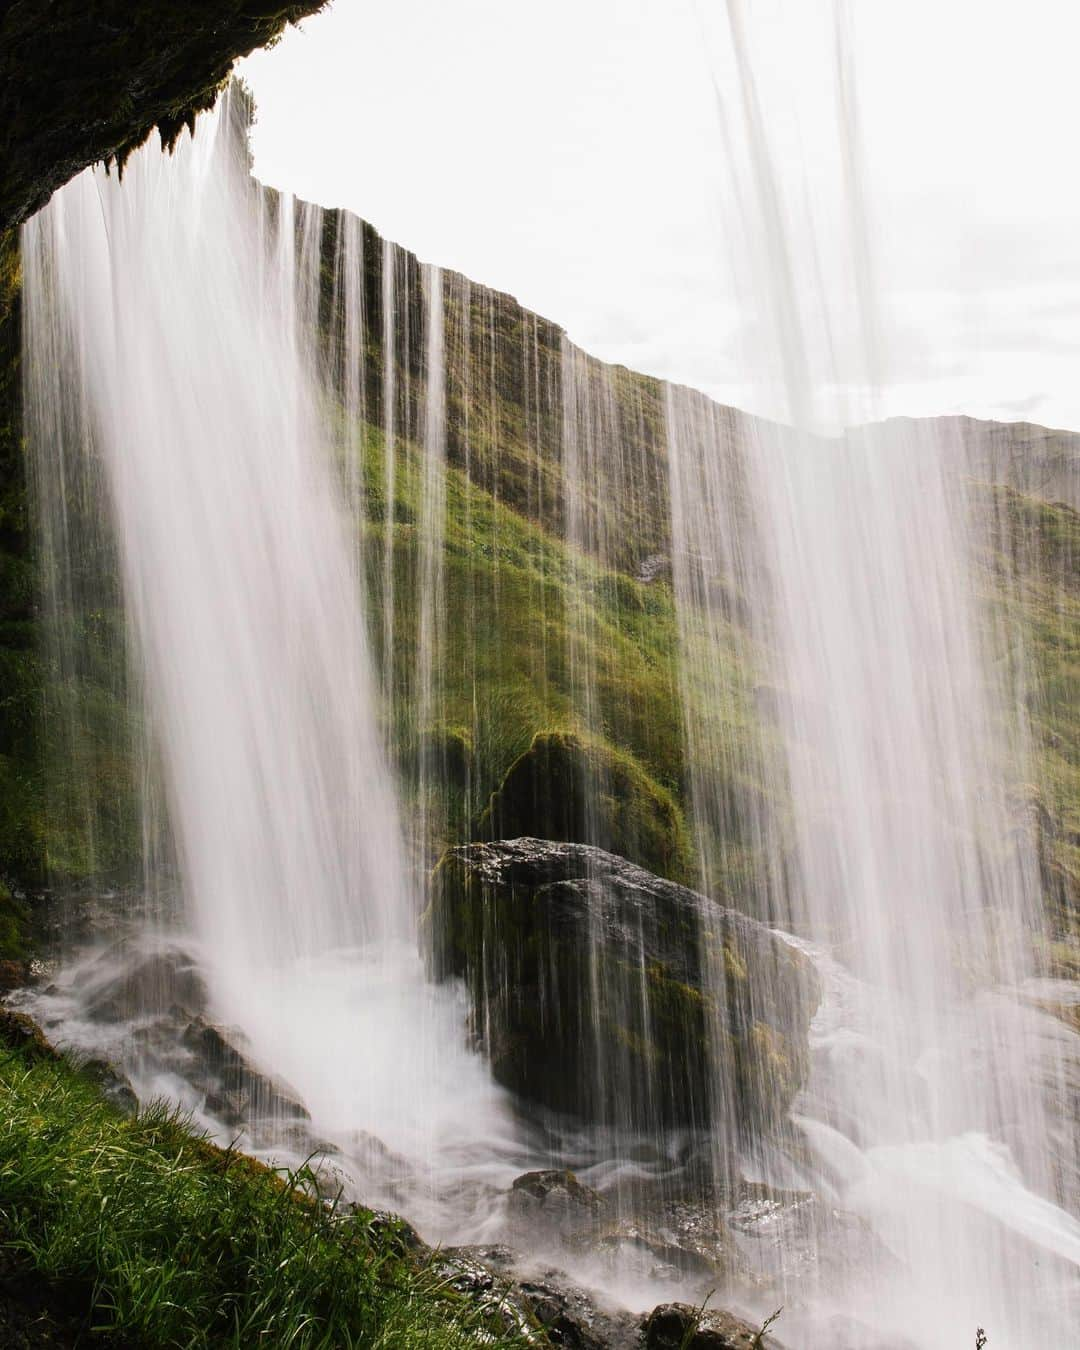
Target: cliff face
[560, 627]
[80, 83]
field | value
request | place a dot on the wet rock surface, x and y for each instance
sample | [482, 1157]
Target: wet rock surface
[113, 1085]
[156, 983]
[20, 1032]
[236, 1091]
[677, 1242]
[152, 1004]
[571, 1317]
[554, 1202]
[679, 1326]
[610, 994]
[571, 787]
[568, 1314]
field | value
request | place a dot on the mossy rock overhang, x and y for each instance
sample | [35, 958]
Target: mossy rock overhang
[582, 790]
[89, 82]
[606, 993]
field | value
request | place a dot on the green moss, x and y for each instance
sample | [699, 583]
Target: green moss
[571, 788]
[558, 700]
[15, 939]
[1031, 589]
[734, 964]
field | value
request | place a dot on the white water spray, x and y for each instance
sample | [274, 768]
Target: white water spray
[933, 1110]
[171, 304]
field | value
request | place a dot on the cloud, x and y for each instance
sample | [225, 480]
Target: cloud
[575, 158]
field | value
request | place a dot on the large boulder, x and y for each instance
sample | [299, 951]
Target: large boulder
[581, 790]
[607, 993]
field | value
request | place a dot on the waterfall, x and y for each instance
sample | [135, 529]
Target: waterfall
[887, 842]
[334, 540]
[171, 372]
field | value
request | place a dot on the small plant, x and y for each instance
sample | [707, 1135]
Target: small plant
[759, 1340]
[693, 1326]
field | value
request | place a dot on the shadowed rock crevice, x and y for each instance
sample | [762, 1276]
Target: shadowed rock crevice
[89, 82]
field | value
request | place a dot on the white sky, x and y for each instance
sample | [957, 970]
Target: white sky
[573, 153]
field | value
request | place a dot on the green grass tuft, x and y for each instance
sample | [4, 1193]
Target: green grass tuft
[158, 1238]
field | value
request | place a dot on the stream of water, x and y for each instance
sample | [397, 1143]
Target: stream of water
[179, 389]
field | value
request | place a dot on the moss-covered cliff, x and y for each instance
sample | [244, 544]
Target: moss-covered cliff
[21, 676]
[558, 626]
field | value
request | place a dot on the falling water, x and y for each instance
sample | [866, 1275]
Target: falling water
[431, 609]
[849, 722]
[176, 307]
[190, 375]
[934, 1107]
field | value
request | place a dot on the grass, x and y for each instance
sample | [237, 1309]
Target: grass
[157, 1238]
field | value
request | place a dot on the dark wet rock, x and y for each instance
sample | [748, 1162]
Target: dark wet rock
[13, 975]
[492, 1293]
[496, 1256]
[296, 1135]
[394, 1231]
[568, 1315]
[371, 1156]
[465, 1274]
[671, 1246]
[571, 1317]
[155, 984]
[86, 915]
[568, 787]
[608, 993]
[236, 1091]
[678, 1326]
[113, 1085]
[554, 1200]
[20, 1032]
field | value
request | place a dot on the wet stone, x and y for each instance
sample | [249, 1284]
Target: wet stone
[661, 1251]
[396, 1232]
[236, 1091]
[794, 1238]
[554, 1200]
[156, 984]
[571, 1317]
[13, 975]
[598, 988]
[113, 1085]
[679, 1326]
